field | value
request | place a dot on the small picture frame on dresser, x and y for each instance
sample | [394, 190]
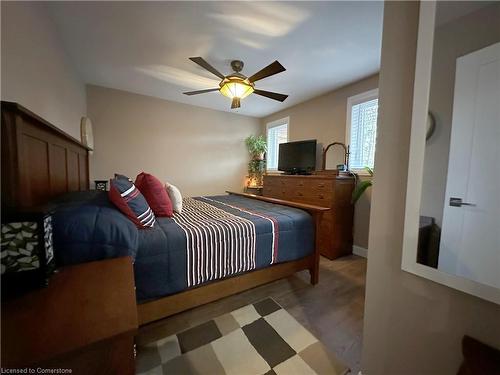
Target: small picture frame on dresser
[101, 185]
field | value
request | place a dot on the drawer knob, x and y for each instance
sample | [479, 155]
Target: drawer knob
[321, 185]
[299, 194]
[321, 196]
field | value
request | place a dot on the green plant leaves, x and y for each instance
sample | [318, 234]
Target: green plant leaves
[256, 144]
[360, 189]
[256, 166]
[361, 186]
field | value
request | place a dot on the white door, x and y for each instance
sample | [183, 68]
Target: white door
[470, 237]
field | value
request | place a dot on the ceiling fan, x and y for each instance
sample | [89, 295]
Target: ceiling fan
[237, 86]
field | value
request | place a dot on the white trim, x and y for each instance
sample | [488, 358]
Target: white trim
[360, 251]
[273, 124]
[416, 166]
[351, 101]
[279, 122]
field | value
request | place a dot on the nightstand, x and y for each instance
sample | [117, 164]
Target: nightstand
[85, 320]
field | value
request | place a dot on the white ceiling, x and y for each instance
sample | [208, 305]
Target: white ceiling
[143, 47]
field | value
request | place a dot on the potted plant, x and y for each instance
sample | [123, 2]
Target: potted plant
[256, 167]
[257, 146]
[361, 186]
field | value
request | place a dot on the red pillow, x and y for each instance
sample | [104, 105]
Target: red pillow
[155, 194]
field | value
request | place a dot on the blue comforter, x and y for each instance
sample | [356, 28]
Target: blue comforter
[184, 251]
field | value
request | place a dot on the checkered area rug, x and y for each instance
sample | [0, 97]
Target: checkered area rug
[261, 338]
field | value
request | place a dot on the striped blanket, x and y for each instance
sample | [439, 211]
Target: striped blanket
[214, 237]
[219, 243]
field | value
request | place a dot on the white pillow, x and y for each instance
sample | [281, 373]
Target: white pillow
[175, 197]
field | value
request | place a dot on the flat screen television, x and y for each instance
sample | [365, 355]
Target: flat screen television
[297, 157]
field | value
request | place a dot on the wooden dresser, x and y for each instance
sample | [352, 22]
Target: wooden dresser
[321, 190]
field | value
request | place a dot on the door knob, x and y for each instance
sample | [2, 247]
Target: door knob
[457, 202]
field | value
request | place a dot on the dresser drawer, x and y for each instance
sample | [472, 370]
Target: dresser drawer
[310, 196]
[275, 192]
[305, 190]
[275, 182]
[320, 199]
[313, 184]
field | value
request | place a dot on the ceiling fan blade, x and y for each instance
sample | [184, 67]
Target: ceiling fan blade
[200, 91]
[271, 95]
[268, 71]
[235, 103]
[201, 62]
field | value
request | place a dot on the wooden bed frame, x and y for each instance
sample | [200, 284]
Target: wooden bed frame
[40, 162]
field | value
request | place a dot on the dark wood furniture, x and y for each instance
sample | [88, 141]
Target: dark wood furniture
[84, 320]
[429, 235]
[479, 358]
[166, 306]
[328, 190]
[39, 161]
[253, 190]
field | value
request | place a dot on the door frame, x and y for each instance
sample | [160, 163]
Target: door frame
[421, 91]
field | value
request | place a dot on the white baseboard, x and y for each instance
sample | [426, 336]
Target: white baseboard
[360, 251]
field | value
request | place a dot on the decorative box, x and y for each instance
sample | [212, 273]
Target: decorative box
[27, 253]
[101, 185]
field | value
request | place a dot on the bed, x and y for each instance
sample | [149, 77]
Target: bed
[218, 246]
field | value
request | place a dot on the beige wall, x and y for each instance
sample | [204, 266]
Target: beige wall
[412, 325]
[324, 118]
[200, 150]
[36, 72]
[456, 38]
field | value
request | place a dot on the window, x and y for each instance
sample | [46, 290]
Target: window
[362, 111]
[277, 133]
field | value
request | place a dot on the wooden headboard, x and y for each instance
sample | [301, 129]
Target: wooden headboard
[39, 161]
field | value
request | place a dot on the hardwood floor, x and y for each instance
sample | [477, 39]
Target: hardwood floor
[332, 310]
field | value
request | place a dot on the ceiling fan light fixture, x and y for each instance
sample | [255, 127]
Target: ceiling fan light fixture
[235, 87]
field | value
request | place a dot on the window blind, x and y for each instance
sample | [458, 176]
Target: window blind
[363, 134]
[275, 136]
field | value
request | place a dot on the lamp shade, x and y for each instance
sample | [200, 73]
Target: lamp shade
[234, 87]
